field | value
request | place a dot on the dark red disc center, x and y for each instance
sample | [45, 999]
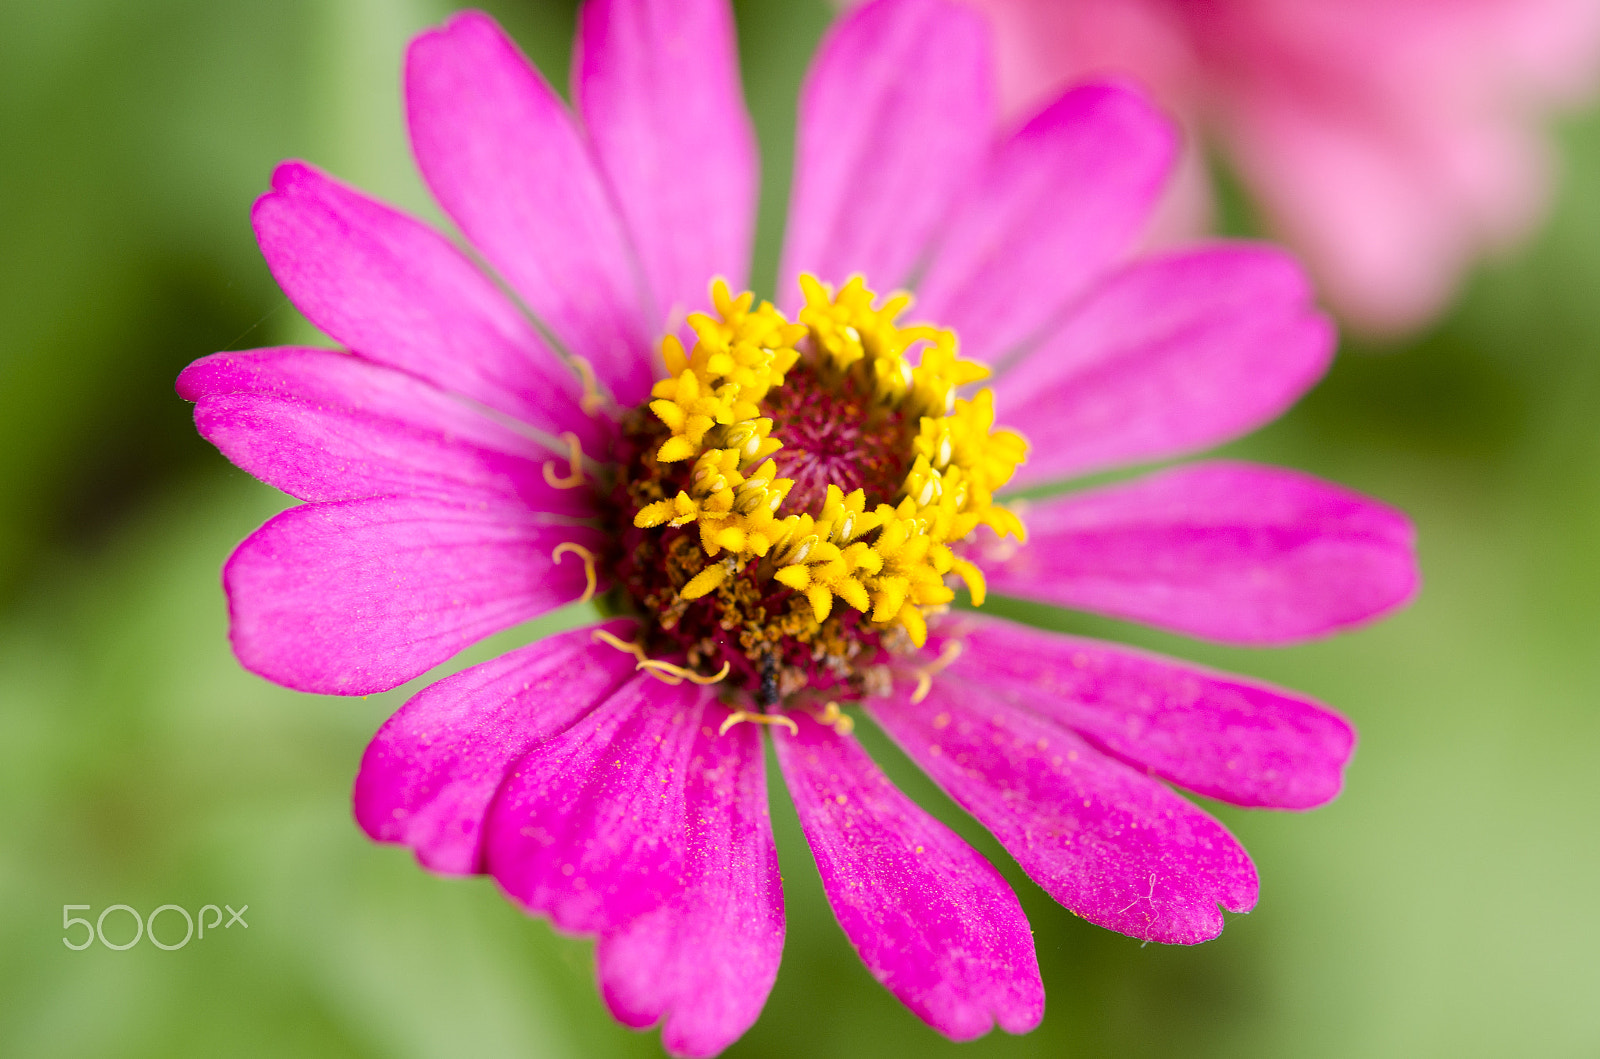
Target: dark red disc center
[835, 431]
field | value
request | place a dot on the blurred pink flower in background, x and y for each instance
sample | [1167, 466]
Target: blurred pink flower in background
[1390, 141]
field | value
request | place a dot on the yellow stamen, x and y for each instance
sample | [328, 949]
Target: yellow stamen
[588, 566]
[890, 561]
[758, 718]
[705, 581]
[925, 675]
[593, 401]
[574, 477]
[672, 674]
[836, 718]
[665, 672]
[625, 646]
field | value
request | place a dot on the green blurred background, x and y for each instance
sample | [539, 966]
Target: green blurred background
[1445, 905]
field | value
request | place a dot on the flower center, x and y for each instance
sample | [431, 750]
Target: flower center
[836, 431]
[783, 467]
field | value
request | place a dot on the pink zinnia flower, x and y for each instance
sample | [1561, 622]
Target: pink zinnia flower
[612, 778]
[1392, 141]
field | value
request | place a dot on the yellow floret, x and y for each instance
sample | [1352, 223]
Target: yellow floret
[889, 563]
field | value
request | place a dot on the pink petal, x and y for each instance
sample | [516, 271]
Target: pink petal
[1058, 204]
[356, 597]
[657, 83]
[1396, 141]
[324, 426]
[507, 161]
[1112, 845]
[1252, 555]
[398, 293]
[1172, 354]
[896, 115]
[427, 777]
[1042, 45]
[1218, 735]
[1389, 216]
[932, 920]
[707, 959]
[589, 826]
